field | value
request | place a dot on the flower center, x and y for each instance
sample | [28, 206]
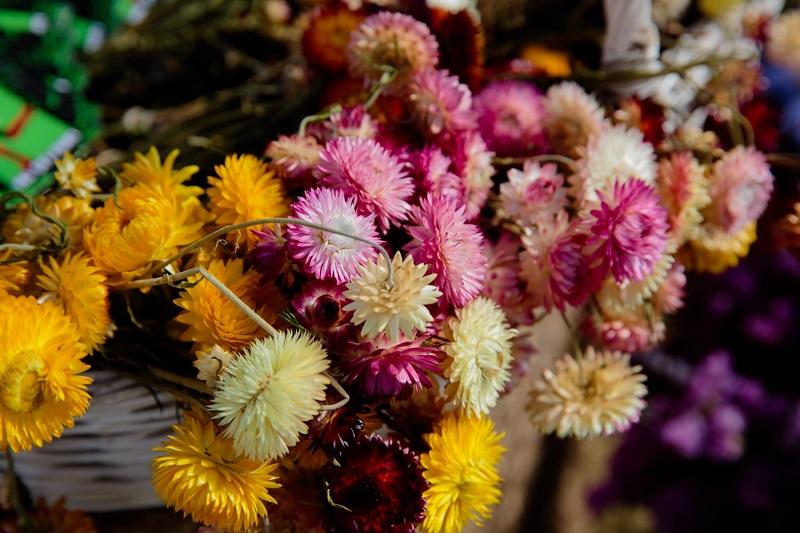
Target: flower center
[21, 385]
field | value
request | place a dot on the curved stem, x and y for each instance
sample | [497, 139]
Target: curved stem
[19, 247]
[275, 220]
[345, 397]
[335, 108]
[553, 158]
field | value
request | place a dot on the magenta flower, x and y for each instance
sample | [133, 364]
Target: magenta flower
[328, 255]
[440, 103]
[511, 118]
[573, 276]
[365, 171]
[319, 307]
[269, 253]
[472, 162]
[352, 121]
[382, 368]
[431, 169]
[452, 248]
[628, 231]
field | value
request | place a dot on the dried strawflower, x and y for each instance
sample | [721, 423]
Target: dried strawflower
[199, 473]
[440, 102]
[326, 36]
[333, 431]
[211, 362]
[536, 261]
[377, 486]
[266, 394]
[670, 294]
[617, 297]
[511, 117]
[630, 331]
[80, 289]
[535, 193]
[480, 355]
[712, 250]
[79, 176]
[452, 248]
[41, 386]
[681, 183]
[320, 307]
[432, 173]
[461, 469]
[22, 226]
[571, 118]
[364, 170]
[294, 157]
[329, 255]
[588, 395]
[472, 162]
[384, 368]
[351, 121]
[391, 308]
[150, 170]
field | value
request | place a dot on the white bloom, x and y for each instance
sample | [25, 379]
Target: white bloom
[210, 364]
[572, 117]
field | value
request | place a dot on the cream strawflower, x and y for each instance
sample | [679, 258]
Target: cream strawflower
[266, 394]
[77, 175]
[572, 117]
[593, 394]
[480, 353]
[391, 309]
[211, 363]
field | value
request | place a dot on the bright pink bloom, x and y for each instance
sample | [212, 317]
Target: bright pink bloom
[382, 368]
[628, 231]
[324, 254]
[432, 173]
[352, 121]
[572, 277]
[365, 171]
[511, 117]
[440, 102]
[452, 248]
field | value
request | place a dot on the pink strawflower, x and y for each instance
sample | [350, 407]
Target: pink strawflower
[365, 171]
[269, 255]
[294, 157]
[384, 368]
[431, 169]
[627, 231]
[532, 194]
[328, 255]
[511, 117]
[503, 284]
[391, 40]
[319, 308]
[572, 117]
[352, 121]
[629, 332]
[573, 276]
[452, 248]
[472, 162]
[740, 187]
[440, 103]
[669, 296]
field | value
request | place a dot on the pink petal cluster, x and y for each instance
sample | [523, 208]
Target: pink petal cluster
[629, 332]
[511, 117]
[431, 170]
[627, 231]
[294, 157]
[740, 187]
[532, 194]
[328, 255]
[472, 162]
[365, 171]
[352, 121]
[573, 277]
[452, 248]
[319, 307]
[382, 368]
[440, 103]
[670, 294]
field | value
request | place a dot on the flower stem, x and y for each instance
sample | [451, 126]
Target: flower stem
[552, 158]
[335, 108]
[275, 220]
[13, 493]
[345, 397]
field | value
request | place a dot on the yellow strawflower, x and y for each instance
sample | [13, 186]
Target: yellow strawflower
[461, 468]
[22, 226]
[200, 474]
[80, 289]
[41, 386]
[149, 170]
[244, 190]
[711, 250]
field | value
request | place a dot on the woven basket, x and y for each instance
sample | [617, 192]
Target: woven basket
[103, 463]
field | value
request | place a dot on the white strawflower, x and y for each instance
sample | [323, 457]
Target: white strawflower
[480, 355]
[210, 364]
[390, 309]
[266, 394]
[593, 394]
[783, 42]
[618, 154]
[572, 117]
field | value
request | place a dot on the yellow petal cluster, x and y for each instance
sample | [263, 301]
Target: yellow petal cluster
[79, 176]
[461, 469]
[41, 386]
[711, 250]
[149, 170]
[199, 473]
[22, 226]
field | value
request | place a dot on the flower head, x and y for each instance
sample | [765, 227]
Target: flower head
[452, 248]
[629, 295]
[784, 40]
[211, 362]
[320, 308]
[150, 170]
[440, 102]
[78, 176]
[472, 162]
[142, 225]
[683, 190]
[739, 187]
[480, 355]
[461, 469]
[41, 386]
[589, 395]
[613, 155]
[628, 230]
[266, 394]
[392, 40]
[211, 318]
[327, 34]
[670, 294]
[200, 474]
[378, 486]
[712, 250]
[630, 331]
[384, 368]
[364, 170]
[532, 194]
[352, 121]
[391, 308]
[23, 226]
[431, 168]
[80, 289]
[328, 255]
[245, 190]
[511, 117]
[571, 118]
[294, 157]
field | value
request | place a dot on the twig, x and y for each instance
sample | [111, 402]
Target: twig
[345, 397]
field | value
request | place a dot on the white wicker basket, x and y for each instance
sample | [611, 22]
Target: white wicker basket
[103, 463]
